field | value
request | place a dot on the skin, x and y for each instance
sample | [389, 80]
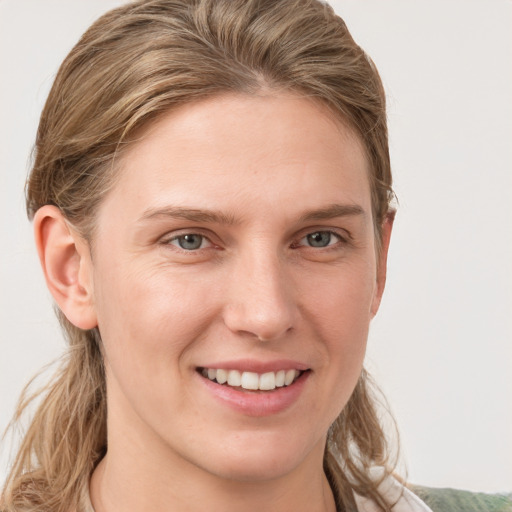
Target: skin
[271, 167]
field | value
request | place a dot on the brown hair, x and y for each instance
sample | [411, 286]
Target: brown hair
[135, 63]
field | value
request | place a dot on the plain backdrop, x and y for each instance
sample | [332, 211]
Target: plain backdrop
[441, 346]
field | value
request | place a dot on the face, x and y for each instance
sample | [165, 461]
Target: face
[237, 244]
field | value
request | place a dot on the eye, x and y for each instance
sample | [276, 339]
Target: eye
[320, 239]
[190, 241]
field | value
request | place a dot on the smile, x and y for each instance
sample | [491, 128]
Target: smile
[252, 381]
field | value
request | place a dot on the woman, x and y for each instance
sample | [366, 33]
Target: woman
[211, 202]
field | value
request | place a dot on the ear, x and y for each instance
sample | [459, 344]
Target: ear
[67, 266]
[382, 260]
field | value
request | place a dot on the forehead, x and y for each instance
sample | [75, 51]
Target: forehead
[238, 148]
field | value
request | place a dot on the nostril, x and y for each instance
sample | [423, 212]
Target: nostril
[269, 337]
[262, 305]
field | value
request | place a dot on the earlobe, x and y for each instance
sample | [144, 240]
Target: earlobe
[387, 227]
[66, 264]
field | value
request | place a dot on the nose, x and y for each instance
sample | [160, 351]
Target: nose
[260, 299]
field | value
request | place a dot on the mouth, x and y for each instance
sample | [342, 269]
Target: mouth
[256, 389]
[252, 381]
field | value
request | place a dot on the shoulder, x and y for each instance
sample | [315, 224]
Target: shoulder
[404, 500]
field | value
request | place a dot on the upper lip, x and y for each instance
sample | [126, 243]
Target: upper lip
[251, 365]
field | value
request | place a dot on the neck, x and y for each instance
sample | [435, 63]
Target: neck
[113, 492]
[141, 474]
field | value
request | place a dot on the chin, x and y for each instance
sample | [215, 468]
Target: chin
[246, 469]
[265, 458]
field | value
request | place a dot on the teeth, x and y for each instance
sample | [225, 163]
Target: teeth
[251, 380]
[221, 376]
[234, 378]
[268, 381]
[289, 377]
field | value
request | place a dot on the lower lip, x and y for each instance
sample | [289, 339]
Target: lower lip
[257, 403]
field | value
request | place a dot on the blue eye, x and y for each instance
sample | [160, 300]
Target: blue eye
[189, 242]
[321, 239]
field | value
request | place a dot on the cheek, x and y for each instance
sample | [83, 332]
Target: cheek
[340, 301]
[339, 308]
[147, 318]
[149, 322]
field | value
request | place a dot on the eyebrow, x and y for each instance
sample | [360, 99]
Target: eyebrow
[332, 211]
[190, 214]
[213, 216]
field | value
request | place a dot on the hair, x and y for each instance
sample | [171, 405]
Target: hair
[132, 65]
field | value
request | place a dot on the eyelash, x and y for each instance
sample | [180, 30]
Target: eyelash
[295, 245]
[332, 234]
[176, 238]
